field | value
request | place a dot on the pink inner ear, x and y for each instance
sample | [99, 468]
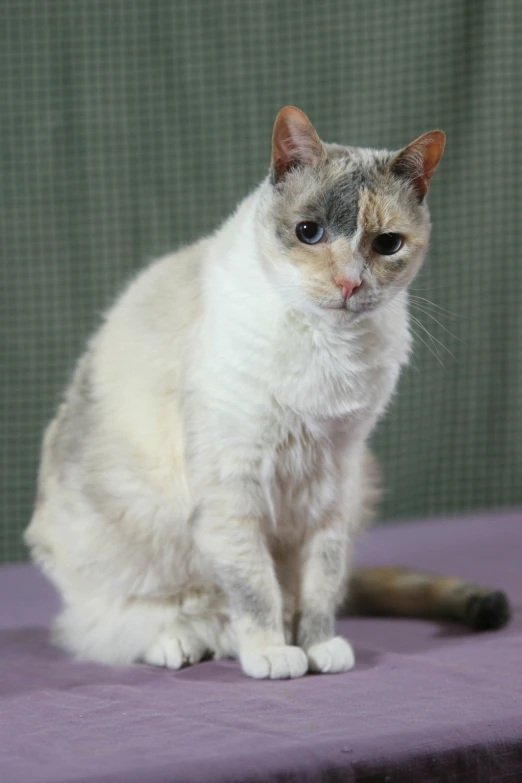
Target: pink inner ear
[294, 141]
[419, 160]
[288, 144]
[433, 152]
[288, 152]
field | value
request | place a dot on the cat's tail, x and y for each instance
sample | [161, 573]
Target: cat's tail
[404, 592]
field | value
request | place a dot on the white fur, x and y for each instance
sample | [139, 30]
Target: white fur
[224, 441]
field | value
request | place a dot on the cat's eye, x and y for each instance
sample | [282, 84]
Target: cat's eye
[387, 244]
[309, 232]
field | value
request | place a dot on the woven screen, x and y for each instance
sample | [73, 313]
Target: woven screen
[129, 128]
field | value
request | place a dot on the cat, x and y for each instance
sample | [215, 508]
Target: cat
[203, 481]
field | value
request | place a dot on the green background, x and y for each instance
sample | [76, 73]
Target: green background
[129, 128]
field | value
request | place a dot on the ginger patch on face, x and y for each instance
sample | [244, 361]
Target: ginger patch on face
[373, 212]
[321, 264]
[379, 212]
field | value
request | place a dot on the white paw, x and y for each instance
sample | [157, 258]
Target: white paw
[277, 663]
[331, 657]
[174, 651]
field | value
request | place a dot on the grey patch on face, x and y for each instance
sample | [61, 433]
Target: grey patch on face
[336, 205]
[313, 628]
[334, 200]
[364, 170]
[342, 202]
[285, 235]
[246, 600]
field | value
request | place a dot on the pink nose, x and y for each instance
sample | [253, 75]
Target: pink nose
[348, 287]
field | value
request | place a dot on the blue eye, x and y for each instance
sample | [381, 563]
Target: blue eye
[309, 232]
[387, 244]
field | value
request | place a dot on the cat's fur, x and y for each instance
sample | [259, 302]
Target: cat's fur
[202, 483]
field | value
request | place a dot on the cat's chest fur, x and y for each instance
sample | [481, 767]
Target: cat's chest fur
[290, 369]
[288, 404]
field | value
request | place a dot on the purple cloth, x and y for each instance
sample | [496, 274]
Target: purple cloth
[426, 702]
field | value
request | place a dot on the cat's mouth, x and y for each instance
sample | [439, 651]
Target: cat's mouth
[354, 305]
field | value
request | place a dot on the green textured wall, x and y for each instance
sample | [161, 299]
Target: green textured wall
[129, 128]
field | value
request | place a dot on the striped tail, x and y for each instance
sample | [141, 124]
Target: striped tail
[404, 592]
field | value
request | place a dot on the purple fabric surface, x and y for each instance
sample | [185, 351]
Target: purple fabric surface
[426, 702]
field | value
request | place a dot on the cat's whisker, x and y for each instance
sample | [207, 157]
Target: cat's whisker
[434, 340]
[426, 309]
[430, 315]
[435, 354]
[428, 287]
[428, 302]
[432, 337]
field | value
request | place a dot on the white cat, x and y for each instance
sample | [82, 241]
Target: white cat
[202, 483]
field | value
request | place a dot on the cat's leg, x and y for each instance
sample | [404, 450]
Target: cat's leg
[323, 577]
[244, 568]
[287, 564]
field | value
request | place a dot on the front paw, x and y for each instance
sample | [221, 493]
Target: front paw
[174, 650]
[331, 657]
[279, 662]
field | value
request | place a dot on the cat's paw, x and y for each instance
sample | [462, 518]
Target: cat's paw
[331, 657]
[280, 662]
[174, 651]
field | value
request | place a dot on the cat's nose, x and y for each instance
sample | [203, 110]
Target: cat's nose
[347, 286]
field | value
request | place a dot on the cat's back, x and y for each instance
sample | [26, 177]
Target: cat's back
[115, 449]
[123, 404]
[134, 363]
[154, 314]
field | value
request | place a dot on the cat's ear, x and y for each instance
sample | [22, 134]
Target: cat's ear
[294, 143]
[418, 161]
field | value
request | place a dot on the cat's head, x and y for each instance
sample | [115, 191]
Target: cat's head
[344, 228]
